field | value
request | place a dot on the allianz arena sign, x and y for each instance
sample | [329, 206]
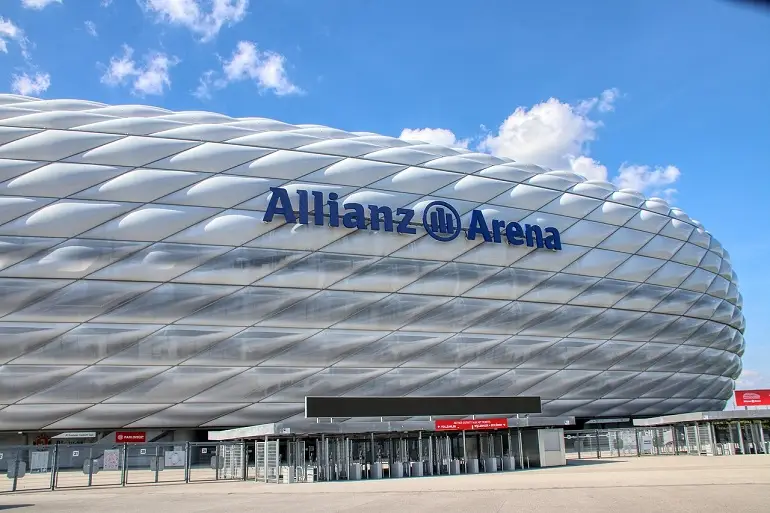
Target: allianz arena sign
[440, 220]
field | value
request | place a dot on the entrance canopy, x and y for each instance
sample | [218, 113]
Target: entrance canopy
[704, 416]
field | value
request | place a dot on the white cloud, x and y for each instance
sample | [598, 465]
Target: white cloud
[91, 28]
[440, 136]
[106, 3]
[11, 32]
[558, 135]
[652, 180]
[751, 379]
[150, 78]
[203, 17]
[38, 4]
[266, 69]
[31, 85]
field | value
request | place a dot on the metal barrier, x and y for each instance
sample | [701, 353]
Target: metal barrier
[61, 466]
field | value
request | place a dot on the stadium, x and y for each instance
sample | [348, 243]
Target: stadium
[190, 270]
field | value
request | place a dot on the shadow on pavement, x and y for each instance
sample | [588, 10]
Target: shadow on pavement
[581, 463]
[6, 507]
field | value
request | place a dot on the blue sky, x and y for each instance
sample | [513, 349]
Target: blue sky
[672, 98]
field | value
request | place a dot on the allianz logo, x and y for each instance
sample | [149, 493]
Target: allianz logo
[439, 219]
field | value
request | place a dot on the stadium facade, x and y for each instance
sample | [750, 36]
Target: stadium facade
[167, 269]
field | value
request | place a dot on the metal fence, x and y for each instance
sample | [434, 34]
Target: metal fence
[52, 467]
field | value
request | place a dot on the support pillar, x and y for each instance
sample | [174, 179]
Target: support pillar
[740, 438]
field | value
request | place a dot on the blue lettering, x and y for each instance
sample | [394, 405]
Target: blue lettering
[354, 219]
[279, 195]
[403, 224]
[334, 210]
[303, 208]
[387, 217]
[497, 228]
[514, 234]
[534, 235]
[552, 239]
[318, 208]
[478, 225]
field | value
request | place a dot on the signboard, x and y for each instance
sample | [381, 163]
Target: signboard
[471, 425]
[752, 397]
[76, 435]
[130, 436]
[439, 219]
[111, 460]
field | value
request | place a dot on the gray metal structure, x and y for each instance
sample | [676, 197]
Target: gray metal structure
[140, 287]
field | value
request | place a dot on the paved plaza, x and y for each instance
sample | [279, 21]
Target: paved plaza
[676, 484]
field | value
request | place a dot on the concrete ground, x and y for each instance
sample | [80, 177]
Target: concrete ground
[665, 484]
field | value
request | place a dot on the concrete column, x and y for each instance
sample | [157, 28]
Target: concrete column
[740, 438]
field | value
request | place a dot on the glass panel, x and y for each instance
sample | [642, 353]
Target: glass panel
[509, 284]
[599, 385]
[20, 381]
[88, 343]
[80, 301]
[560, 383]
[247, 306]
[458, 382]
[561, 354]
[167, 303]
[16, 293]
[317, 271]
[323, 309]
[393, 312]
[604, 356]
[397, 382]
[679, 331]
[675, 386]
[35, 416]
[513, 382]
[512, 352]
[387, 275]
[638, 385]
[644, 328]
[562, 321]
[17, 339]
[559, 289]
[393, 350]
[456, 351]
[176, 384]
[255, 384]
[108, 416]
[256, 414]
[607, 324]
[330, 382]
[643, 357]
[514, 318]
[241, 266]
[705, 307]
[160, 262]
[678, 302]
[325, 348]
[74, 259]
[705, 335]
[171, 345]
[680, 359]
[605, 292]
[457, 315]
[644, 297]
[250, 347]
[95, 384]
[186, 414]
[452, 279]
[16, 249]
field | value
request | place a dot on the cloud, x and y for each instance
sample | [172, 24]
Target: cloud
[27, 85]
[91, 28]
[11, 32]
[106, 3]
[751, 379]
[652, 180]
[38, 5]
[266, 69]
[151, 78]
[558, 135]
[440, 136]
[203, 17]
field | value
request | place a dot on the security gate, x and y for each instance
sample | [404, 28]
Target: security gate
[267, 460]
[232, 461]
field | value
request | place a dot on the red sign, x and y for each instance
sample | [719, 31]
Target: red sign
[471, 425]
[130, 436]
[752, 397]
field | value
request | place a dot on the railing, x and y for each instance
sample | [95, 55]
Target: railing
[51, 467]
